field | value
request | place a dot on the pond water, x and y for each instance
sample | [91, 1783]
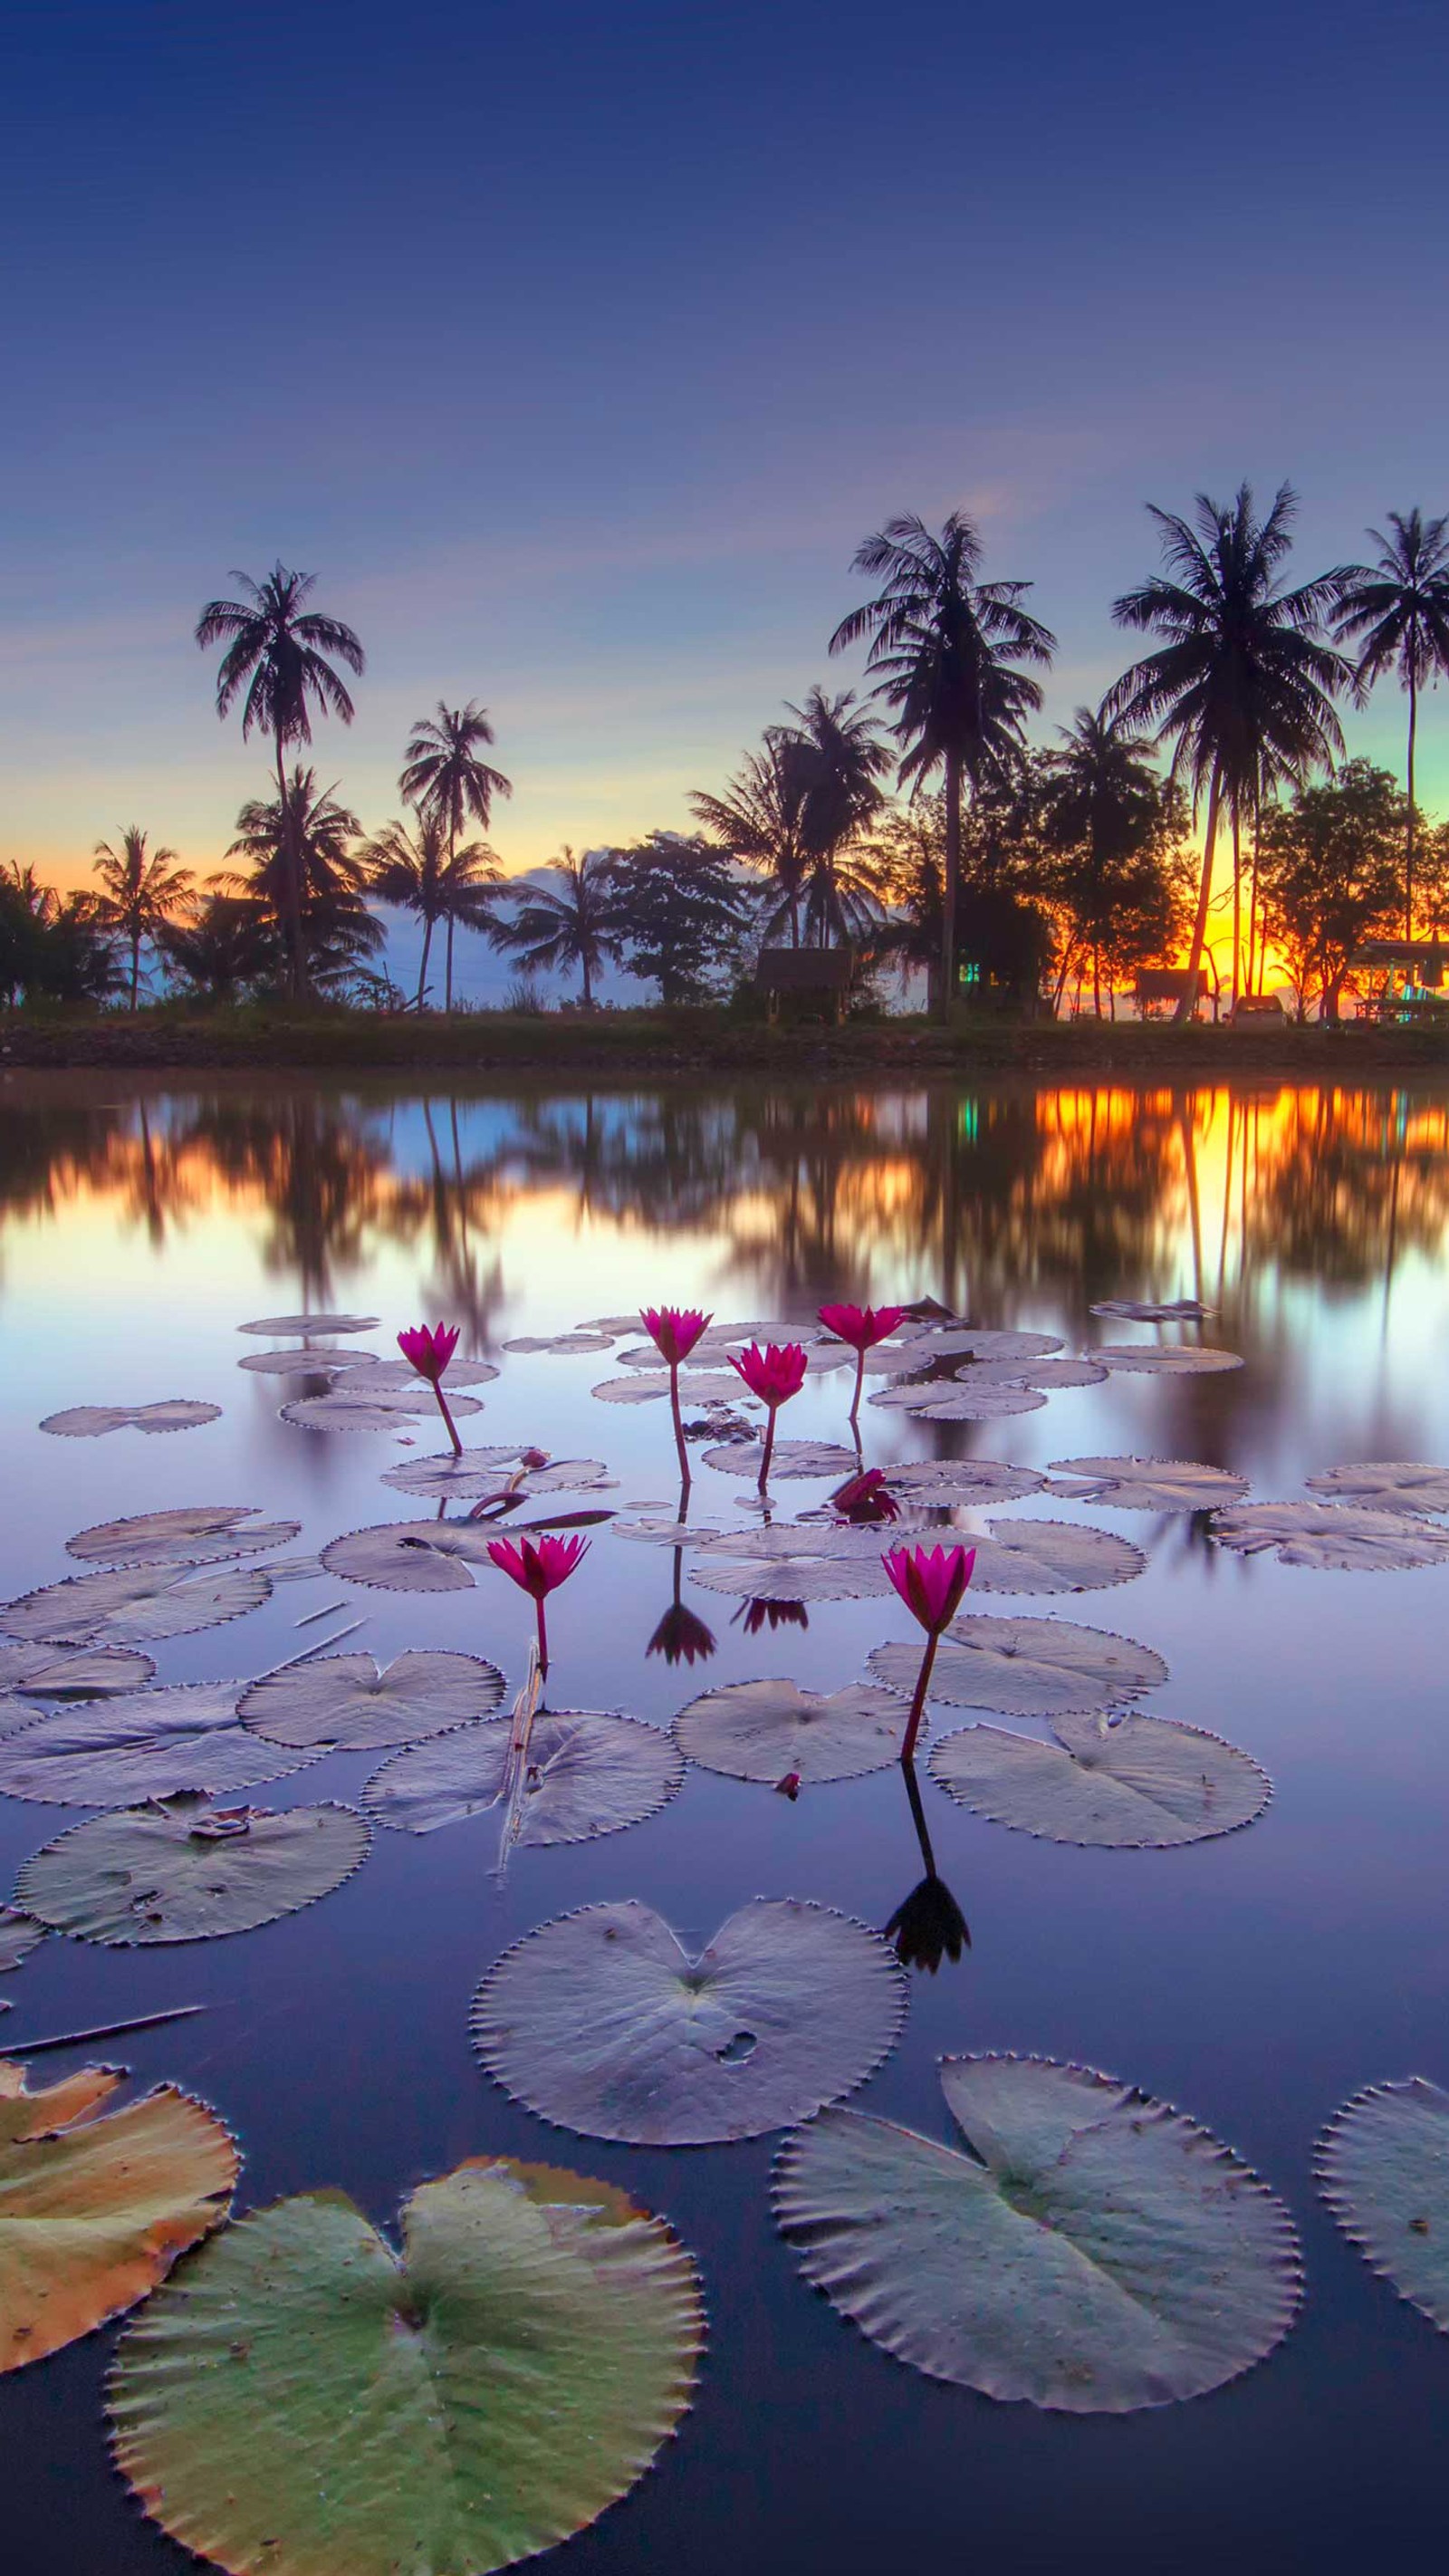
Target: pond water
[1256, 1980]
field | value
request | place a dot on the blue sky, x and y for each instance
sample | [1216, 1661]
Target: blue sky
[575, 348]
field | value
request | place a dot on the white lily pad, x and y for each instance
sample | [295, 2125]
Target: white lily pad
[945, 1483]
[1128, 1780]
[487, 1471]
[91, 1421]
[349, 1704]
[80, 1672]
[791, 1459]
[135, 1604]
[765, 1730]
[388, 1409]
[1094, 2252]
[1052, 1556]
[959, 1400]
[1386, 1485]
[1026, 1667]
[587, 1773]
[188, 1534]
[1163, 1359]
[143, 1744]
[1134, 1310]
[601, 2021]
[1383, 2165]
[278, 1326]
[1148, 1484]
[1342, 1538]
[184, 1869]
[412, 1556]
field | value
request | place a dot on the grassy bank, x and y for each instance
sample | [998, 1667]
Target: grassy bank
[662, 1045]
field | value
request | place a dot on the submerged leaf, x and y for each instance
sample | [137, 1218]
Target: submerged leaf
[95, 2211]
[143, 1744]
[1052, 1556]
[1387, 1485]
[1095, 2253]
[769, 1730]
[189, 1534]
[1339, 1537]
[182, 1869]
[348, 1704]
[412, 1556]
[602, 2022]
[135, 1605]
[1026, 1667]
[1144, 1782]
[304, 2399]
[1148, 1484]
[586, 1774]
[89, 1421]
[1383, 2164]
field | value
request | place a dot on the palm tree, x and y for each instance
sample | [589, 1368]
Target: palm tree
[277, 650]
[1397, 611]
[1243, 687]
[841, 757]
[141, 892]
[406, 869]
[575, 927]
[761, 820]
[444, 777]
[470, 880]
[299, 850]
[944, 645]
[1107, 816]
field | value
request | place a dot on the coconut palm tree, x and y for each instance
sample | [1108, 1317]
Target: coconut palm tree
[276, 651]
[141, 891]
[761, 820]
[299, 850]
[1243, 686]
[841, 756]
[577, 926]
[1396, 610]
[406, 869]
[470, 880]
[445, 778]
[944, 646]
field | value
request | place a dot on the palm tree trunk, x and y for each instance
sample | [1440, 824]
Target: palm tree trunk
[587, 964]
[291, 888]
[1409, 838]
[448, 984]
[1187, 1001]
[1237, 901]
[135, 967]
[423, 969]
[952, 884]
[452, 848]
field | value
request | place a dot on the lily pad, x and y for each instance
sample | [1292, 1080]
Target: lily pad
[305, 2399]
[943, 1483]
[19, 1935]
[1383, 2164]
[389, 1408]
[1342, 1538]
[986, 1342]
[189, 1534]
[97, 2209]
[563, 1345]
[1133, 1310]
[1026, 1667]
[401, 1373]
[486, 1471]
[144, 1744]
[816, 1563]
[1146, 1782]
[135, 1605]
[1148, 1484]
[1386, 1485]
[311, 1360]
[279, 1325]
[412, 1556]
[1052, 1556]
[82, 1672]
[955, 1400]
[766, 1730]
[792, 1458]
[348, 1704]
[1164, 1359]
[1094, 2252]
[694, 1388]
[587, 1774]
[601, 2021]
[182, 1869]
[90, 1421]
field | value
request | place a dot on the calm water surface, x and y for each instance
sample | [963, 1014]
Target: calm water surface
[1256, 1981]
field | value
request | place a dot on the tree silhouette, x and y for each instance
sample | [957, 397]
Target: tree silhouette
[1113, 829]
[141, 891]
[298, 850]
[761, 819]
[576, 926]
[406, 869]
[446, 780]
[1396, 610]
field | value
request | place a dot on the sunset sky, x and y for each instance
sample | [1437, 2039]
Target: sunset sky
[575, 347]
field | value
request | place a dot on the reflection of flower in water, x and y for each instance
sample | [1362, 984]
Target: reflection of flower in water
[755, 1615]
[865, 1498]
[929, 1926]
[681, 1638]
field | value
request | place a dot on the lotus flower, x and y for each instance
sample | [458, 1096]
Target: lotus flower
[774, 1374]
[674, 1330]
[932, 1582]
[865, 1497]
[861, 1327]
[538, 1569]
[428, 1348]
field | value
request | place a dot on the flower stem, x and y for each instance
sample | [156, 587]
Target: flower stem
[769, 1448]
[918, 1703]
[859, 1387]
[543, 1640]
[449, 1424]
[678, 1425]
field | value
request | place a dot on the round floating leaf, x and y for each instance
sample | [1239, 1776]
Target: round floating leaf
[1095, 2252]
[1026, 1667]
[347, 1704]
[1131, 1310]
[1142, 1781]
[952, 1401]
[1383, 2163]
[486, 1471]
[1052, 1556]
[281, 1324]
[696, 1388]
[1338, 1537]
[587, 1774]
[1164, 1359]
[380, 1374]
[792, 1458]
[304, 2400]
[144, 1744]
[89, 1421]
[602, 2022]
[412, 1556]
[613, 1327]
[784, 1565]
[1148, 1484]
[182, 1869]
[667, 1533]
[309, 1362]
[1048, 1374]
[19, 1935]
[83, 1672]
[986, 1342]
[135, 1605]
[97, 2210]
[562, 1345]
[385, 1410]
[765, 1730]
[190, 1534]
[1386, 1485]
[945, 1482]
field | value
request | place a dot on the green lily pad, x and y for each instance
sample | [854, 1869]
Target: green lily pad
[1094, 2252]
[587, 1773]
[1383, 2164]
[1144, 1782]
[304, 2399]
[347, 1703]
[182, 1869]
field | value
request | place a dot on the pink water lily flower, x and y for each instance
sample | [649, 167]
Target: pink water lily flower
[774, 1374]
[932, 1583]
[428, 1348]
[861, 1327]
[538, 1568]
[866, 1497]
[674, 1330]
